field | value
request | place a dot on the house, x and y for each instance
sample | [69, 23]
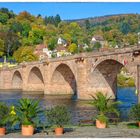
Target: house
[98, 38]
[85, 46]
[62, 51]
[61, 41]
[39, 51]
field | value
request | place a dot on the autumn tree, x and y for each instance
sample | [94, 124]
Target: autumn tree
[73, 48]
[1, 47]
[25, 54]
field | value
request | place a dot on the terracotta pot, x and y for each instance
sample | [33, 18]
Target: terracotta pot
[59, 131]
[100, 124]
[139, 124]
[27, 130]
[2, 131]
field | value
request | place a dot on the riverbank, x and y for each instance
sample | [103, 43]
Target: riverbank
[125, 81]
[120, 130]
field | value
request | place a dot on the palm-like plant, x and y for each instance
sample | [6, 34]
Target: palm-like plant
[28, 111]
[4, 114]
[104, 106]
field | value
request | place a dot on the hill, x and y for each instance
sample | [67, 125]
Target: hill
[21, 33]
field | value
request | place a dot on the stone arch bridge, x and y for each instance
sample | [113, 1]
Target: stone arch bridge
[82, 74]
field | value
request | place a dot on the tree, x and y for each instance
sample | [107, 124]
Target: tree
[16, 27]
[11, 42]
[3, 18]
[25, 16]
[87, 24]
[1, 47]
[36, 35]
[52, 20]
[68, 38]
[25, 54]
[97, 45]
[73, 48]
[57, 20]
[9, 13]
[125, 28]
[26, 28]
[52, 43]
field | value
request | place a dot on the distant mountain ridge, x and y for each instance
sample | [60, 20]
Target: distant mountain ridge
[99, 19]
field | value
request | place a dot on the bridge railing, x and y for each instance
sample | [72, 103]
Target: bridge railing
[101, 52]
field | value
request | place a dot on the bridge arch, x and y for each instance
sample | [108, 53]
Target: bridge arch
[17, 80]
[105, 71]
[35, 79]
[35, 76]
[63, 80]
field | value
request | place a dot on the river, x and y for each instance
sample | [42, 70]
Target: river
[80, 110]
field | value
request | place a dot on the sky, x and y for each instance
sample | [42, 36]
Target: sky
[73, 10]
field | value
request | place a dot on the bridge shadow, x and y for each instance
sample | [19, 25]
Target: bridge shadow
[66, 73]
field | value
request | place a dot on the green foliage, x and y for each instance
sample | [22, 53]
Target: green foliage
[104, 106]
[87, 24]
[73, 48]
[134, 113]
[52, 43]
[6, 11]
[125, 28]
[3, 18]
[25, 29]
[16, 27]
[58, 116]
[25, 54]
[124, 81]
[13, 118]
[97, 45]
[52, 20]
[4, 114]
[1, 47]
[11, 42]
[28, 111]
[102, 118]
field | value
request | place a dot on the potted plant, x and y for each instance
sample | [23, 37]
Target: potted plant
[58, 116]
[4, 114]
[28, 112]
[134, 113]
[104, 106]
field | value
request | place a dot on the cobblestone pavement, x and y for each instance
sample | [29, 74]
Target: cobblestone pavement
[118, 131]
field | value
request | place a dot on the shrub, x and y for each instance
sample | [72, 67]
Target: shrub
[58, 116]
[134, 113]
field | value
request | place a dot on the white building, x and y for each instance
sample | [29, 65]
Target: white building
[61, 41]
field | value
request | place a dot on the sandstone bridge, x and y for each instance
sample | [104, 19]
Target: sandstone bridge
[82, 74]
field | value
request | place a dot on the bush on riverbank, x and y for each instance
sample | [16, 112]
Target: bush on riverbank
[123, 81]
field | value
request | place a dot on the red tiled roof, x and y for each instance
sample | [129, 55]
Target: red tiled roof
[40, 47]
[98, 37]
[60, 48]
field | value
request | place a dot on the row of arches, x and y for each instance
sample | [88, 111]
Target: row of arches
[63, 78]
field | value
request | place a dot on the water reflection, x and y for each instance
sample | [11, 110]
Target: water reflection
[80, 110]
[128, 98]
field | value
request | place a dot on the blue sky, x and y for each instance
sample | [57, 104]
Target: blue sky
[73, 10]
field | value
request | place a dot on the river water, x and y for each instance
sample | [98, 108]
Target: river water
[80, 110]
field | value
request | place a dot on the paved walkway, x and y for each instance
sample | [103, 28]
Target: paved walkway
[90, 132]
